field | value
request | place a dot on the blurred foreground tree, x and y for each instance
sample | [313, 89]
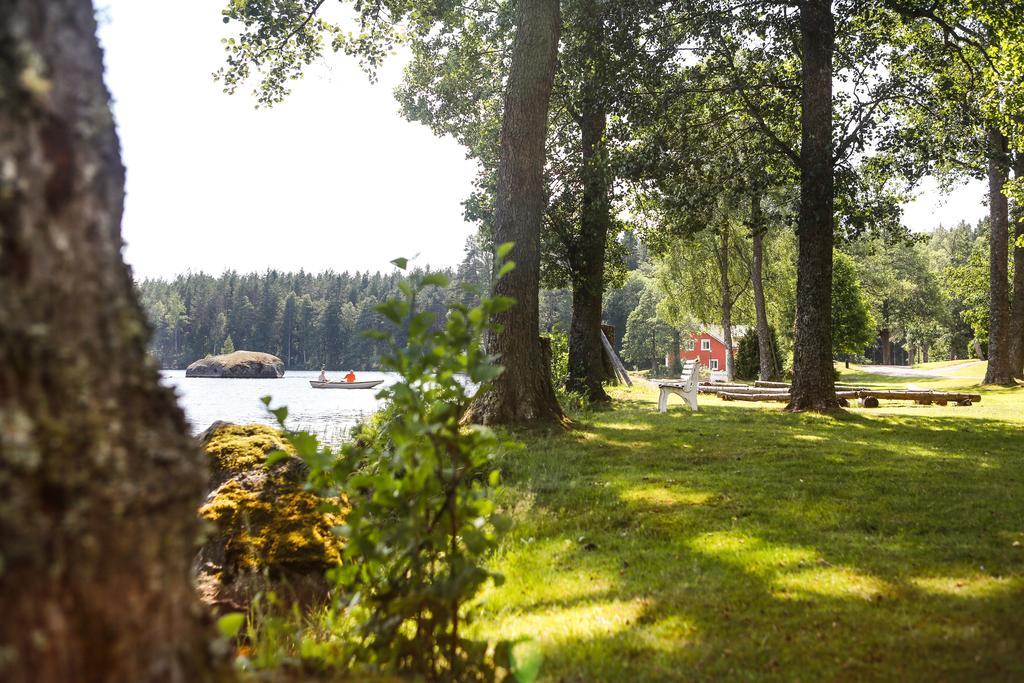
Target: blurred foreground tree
[99, 480]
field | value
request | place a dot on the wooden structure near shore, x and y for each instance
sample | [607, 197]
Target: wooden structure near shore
[612, 358]
[867, 397]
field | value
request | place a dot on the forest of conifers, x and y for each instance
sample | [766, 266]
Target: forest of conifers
[929, 297]
[314, 320]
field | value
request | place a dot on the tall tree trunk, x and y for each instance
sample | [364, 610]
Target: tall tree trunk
[654, 352]
[885, 336]
[765, 353]
[586, 353]
[999, 365]
[99, 480]
[523, 393]
[924, 352]
[675, 362]
[723, 274]
[813, 376]
[1017, 304]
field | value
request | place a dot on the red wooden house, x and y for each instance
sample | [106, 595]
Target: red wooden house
[708, 346]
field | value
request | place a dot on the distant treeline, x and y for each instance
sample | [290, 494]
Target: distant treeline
[313, 320]
[307, 320]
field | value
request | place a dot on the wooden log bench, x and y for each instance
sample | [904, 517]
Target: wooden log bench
[868, 397]
[685, 387]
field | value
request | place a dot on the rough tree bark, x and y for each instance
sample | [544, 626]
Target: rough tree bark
[813, 379]
[675, 365]
[885, 337]
[523, 394]
[586, 353]
[1017, 304]
[766, 354]
[99, 480]
[722, 255]
[999, 370]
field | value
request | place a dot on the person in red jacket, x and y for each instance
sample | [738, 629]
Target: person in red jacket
[350, 377]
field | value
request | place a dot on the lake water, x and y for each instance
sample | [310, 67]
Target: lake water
[328, 413]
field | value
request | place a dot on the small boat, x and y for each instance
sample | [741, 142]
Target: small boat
[370, 384]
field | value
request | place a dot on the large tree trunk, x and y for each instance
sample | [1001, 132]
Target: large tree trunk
[99, 480]
[586, 353]
[523, 393]
[726, 288]
[813, 378]
[999, 367]
[765, 353]
[1017, 304]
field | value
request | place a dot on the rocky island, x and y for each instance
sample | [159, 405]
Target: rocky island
[239, 364]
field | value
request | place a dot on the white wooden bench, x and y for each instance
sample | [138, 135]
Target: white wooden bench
[685, 387]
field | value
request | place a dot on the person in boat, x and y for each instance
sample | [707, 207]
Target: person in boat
[323, 374]
[350, 377]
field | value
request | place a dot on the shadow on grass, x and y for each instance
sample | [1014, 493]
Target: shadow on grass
[758, 544]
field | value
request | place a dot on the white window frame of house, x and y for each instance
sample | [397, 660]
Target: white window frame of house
[690, 345]
[705, 344]
[714, 364]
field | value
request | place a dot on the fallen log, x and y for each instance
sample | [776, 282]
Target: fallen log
[921, 396]
[705, 389]
[736, 396]
[863, 395]
[839, 387]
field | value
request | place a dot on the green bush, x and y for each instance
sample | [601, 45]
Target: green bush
[559, 356]
[419, 484]
[748, 357]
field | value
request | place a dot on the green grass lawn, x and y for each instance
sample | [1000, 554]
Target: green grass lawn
[742, 542]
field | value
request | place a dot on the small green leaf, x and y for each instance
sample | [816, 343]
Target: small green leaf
[503, 250]
[230, 624]
[501, 523]
[274, 457]
[435, 279]
[400, 263]
[506, 268]
[485, 373]
[525, 658]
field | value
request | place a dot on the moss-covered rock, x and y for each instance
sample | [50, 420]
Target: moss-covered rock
[263, 526]
[233, 449]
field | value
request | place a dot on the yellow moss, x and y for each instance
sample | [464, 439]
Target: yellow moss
[270, 523]
[236, 448]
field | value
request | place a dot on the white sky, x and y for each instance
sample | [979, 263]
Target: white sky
[333, 178]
